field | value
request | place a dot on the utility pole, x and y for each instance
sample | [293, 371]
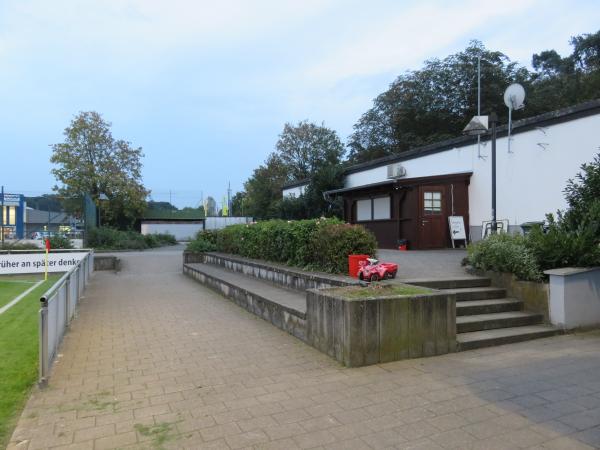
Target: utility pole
[479, 102]
[2, 221]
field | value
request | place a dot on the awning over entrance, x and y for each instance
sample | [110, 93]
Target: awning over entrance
[399, 182]
[355, 188]
[408, 210]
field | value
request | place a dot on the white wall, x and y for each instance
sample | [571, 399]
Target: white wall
[530, 179]
[216, 223]
[181, 231]
[295, 191]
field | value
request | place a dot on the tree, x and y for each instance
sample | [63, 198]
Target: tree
[558, 82]
[263, 188]
[305, 151]
[237, 204]
[91, 161]
[45, 202]
[161, 206]
[433, 103]
[305, 147]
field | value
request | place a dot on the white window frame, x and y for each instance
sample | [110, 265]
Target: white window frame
[374, 213]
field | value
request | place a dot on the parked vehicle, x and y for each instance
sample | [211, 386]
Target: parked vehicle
[373, 270]
[42, 235]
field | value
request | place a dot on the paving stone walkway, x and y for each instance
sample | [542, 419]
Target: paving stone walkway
[155, 360]
[419, 264]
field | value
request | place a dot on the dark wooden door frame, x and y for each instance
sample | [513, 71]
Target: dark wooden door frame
[435, 223]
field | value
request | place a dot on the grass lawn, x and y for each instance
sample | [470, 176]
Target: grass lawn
[18, 353]
[378, 290]
[12, 286]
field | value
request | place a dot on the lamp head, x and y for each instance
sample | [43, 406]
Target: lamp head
[477, 126]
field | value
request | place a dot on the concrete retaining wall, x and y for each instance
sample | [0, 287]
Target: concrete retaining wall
[377, 330]
[354, 332]
[107, 262]
[575, 297]
[189, 257]
[284, 318]
[278, 275]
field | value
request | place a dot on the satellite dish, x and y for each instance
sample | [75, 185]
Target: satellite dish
[513, 99]
[514, 96]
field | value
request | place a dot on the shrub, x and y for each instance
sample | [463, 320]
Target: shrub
[165, 239]
[321, 244]
[111, 239]
[572, 239]
[58, 241]
[330, 246]
[561, 246]
[505, 253]
[18, 246]
[201, 246]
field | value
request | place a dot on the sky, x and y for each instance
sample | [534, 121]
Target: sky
[205, 87]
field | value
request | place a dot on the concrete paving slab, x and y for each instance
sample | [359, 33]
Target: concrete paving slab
[156, 360]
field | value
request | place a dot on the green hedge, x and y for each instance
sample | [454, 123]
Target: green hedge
[570, 239]
[505, 253]
[110, 239]
[58, 241]
[319, 244]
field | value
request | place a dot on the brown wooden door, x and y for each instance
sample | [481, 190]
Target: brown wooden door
[432, 220]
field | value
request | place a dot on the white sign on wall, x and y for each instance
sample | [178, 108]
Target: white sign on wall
[457, 228]
[36, 262]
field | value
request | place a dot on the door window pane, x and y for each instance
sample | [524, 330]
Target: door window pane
[432, 202]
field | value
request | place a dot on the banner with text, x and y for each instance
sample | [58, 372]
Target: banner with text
[36, 262]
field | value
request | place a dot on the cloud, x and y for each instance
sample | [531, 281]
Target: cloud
[404, 37]
[148, 26]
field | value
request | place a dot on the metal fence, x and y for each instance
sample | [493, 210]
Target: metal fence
[58, 308]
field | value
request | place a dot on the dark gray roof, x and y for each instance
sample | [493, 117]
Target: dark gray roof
[519, 126]
[39, 216]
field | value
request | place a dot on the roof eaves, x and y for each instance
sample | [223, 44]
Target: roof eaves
[519, 126]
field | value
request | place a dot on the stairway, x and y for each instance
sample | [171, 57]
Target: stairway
[486, 317]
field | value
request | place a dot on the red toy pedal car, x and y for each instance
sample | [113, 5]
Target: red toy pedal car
[373, 270]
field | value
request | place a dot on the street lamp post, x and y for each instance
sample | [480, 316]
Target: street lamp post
[494, 119]
[478, 126]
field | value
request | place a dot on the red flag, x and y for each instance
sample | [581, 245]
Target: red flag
[47, 245]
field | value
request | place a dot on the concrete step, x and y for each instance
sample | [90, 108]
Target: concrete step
[449, 283]
[474, 307]
[479, 322]
[488, 338]
[478, 293]
[292, 301]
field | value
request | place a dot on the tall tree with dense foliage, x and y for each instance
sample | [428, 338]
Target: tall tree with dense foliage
[238, 204]
[306, 147]
[558, 82]
[434, 103]
[91, 161]
[263, 188]
[304, 151]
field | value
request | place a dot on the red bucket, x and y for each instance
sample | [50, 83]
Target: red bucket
[353, 264]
